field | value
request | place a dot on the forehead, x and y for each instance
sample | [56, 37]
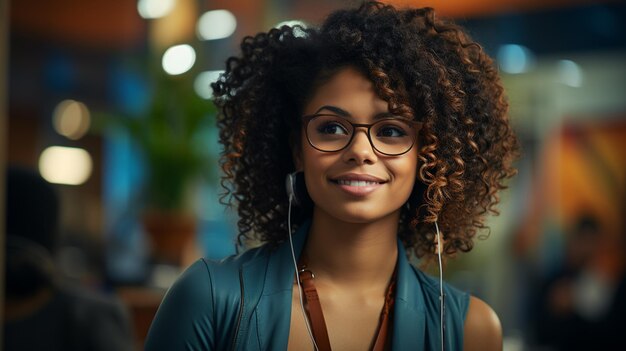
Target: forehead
[350, 90]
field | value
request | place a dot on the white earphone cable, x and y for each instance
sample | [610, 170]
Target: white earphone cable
[441, 296]
[295, 265]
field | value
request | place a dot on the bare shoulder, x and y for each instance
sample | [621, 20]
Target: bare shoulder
[482, 330]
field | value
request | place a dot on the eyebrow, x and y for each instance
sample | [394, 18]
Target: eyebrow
[343, 113]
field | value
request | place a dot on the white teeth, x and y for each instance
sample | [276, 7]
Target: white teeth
[355, 182]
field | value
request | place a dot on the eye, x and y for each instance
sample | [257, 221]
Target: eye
[391, 131]
[331, 127]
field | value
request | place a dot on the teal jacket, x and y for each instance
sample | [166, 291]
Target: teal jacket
[244, 303]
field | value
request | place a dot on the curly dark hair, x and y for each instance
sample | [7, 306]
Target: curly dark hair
[425, 68]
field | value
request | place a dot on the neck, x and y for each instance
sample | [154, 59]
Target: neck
[352, 254]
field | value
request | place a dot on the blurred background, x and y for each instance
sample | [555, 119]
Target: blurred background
[109, 102]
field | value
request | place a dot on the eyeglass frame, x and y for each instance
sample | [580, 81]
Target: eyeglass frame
[415, 124]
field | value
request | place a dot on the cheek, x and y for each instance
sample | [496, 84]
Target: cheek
[314, 164]
[404, 171]
[307, 157]
[404, 167]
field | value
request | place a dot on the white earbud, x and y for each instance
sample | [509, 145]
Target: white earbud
[290, 186]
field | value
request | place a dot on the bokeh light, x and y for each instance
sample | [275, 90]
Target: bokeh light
[216, 24]
[203, 81]
[515, 59]
[65, 165]
[570, 73]
[150, 9]
[178, 59]
[293, 23]
[71, 119]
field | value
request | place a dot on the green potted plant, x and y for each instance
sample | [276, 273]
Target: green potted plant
[172, 136]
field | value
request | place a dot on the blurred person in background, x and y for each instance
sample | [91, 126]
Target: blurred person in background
[583, 305]
[41, 311]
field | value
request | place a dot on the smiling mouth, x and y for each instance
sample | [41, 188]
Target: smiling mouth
[355, 182]
[359, 188]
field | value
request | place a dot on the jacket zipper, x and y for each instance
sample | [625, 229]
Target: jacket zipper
[240, 316]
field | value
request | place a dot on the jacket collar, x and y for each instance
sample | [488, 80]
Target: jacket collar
[409, 317]
[409, 324]
[272, 299]
[281, 261]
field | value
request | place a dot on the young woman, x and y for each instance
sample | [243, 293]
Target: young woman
[391, 129]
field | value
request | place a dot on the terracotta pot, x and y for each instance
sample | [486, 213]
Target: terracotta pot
[171, 234]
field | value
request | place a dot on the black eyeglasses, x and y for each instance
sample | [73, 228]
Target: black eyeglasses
[389, 136]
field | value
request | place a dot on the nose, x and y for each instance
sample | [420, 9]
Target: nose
[360, 149]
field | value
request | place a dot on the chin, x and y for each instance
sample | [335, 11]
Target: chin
[356, 213]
